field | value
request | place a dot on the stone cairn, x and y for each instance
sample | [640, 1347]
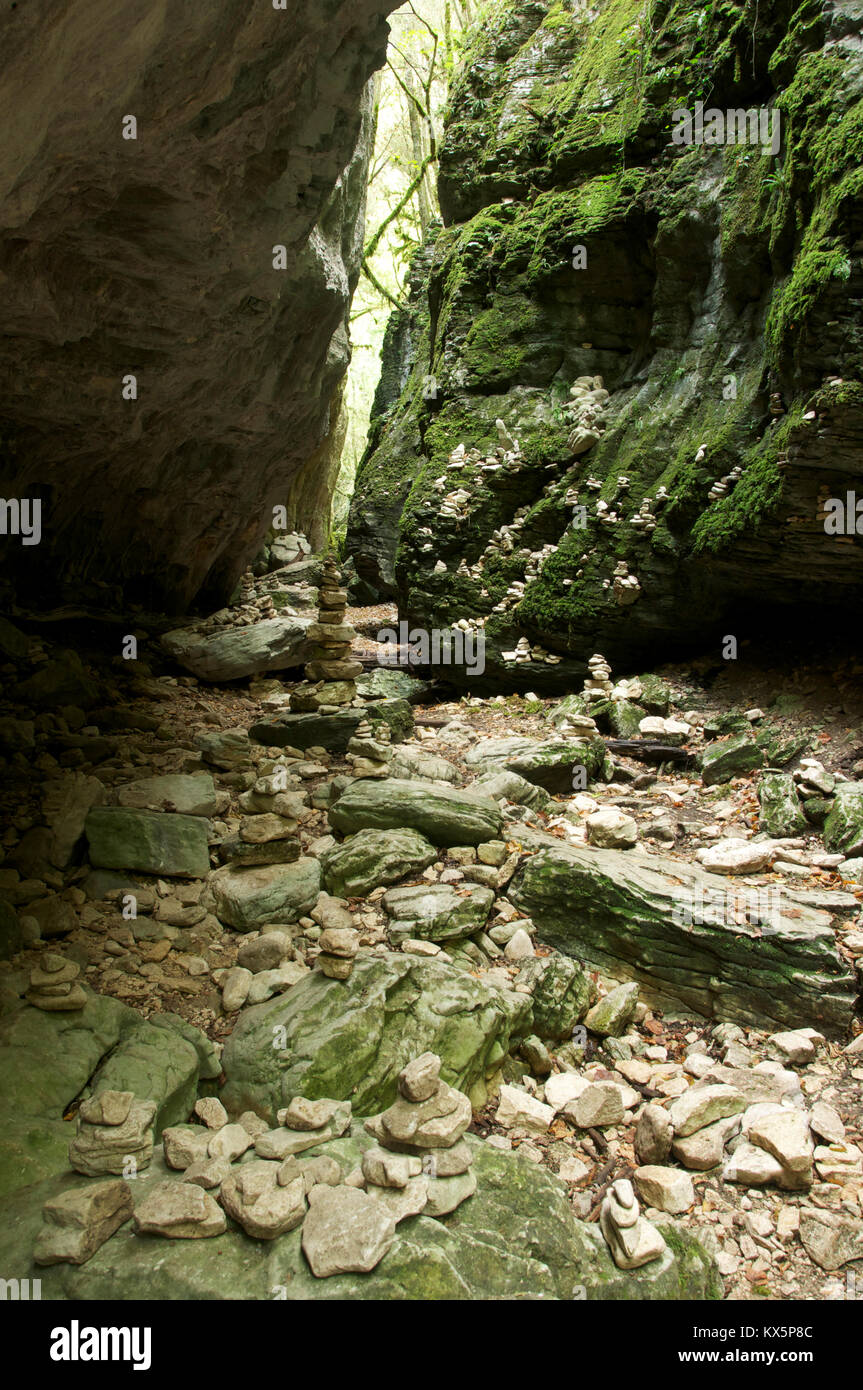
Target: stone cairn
[420, 1148]
[370, 752]
[54, 985]
[339, 946]
[631, 1238]
[598, 684]
[330, 674]
[114, 1132]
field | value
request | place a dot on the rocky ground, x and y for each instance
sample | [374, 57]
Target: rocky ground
[586, 1090]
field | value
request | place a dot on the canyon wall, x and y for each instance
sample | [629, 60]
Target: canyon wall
[153, 257]
[715, 289]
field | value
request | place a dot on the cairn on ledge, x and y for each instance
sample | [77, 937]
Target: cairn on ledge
[370, 753]
[426, 1123]
[54, 985]
[598, 685]
[630, 1237]
[330, 674]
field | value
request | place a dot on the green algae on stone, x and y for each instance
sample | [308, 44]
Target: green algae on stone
[348, 1040]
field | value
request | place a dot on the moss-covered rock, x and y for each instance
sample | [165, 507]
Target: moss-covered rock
[374, 858]
[733, 757]
[843, 826]
[678, 932]
[515, 1238]
[444, 815]
[348, 1040]
[50, 1060]
[781, 811]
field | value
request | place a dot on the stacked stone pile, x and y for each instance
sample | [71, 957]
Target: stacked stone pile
[587, 411]
[114, 1135]
[54, 985]
[630, 1237]
[330, 674]
[426, 1123]
[370, 751]
[339, 947]
[598, 684]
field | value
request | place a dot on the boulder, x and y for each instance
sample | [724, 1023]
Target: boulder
[561, 992]
[733, 757]
[512, 787]
[680, 934]
[229, 654]
[781, 811]
[374, 858]
[444, 815]
[611, 1017]
[151, 842]
[548, 763]
[66, 802]
[187, 795]
[249, 898]
[611, 828]
[332, 731]
[843, 828]
[437, 911]
[48, 1060]
[351, 1038]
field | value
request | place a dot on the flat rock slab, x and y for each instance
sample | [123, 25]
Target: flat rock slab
[446, 816]
[628, 916]
[188, 795]
[350, 1039]
[515, 1239]
[331, 731]
[150, 842]
[229, 654]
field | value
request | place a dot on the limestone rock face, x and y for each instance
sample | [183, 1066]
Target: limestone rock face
[153, 257]
[561, 271]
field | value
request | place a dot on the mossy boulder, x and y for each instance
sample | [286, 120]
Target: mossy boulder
[249, 898]
[348, 1040]
[843, 826]
[151, 842]
[374, 858]
[49, 1060]
[781, 811]
[332, 731]
[443, 815]
[549, 763]
[733, 757]
[437, 911]
[561, 993]
[677, 931]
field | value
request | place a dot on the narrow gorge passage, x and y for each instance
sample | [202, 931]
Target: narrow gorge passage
[431, 725]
